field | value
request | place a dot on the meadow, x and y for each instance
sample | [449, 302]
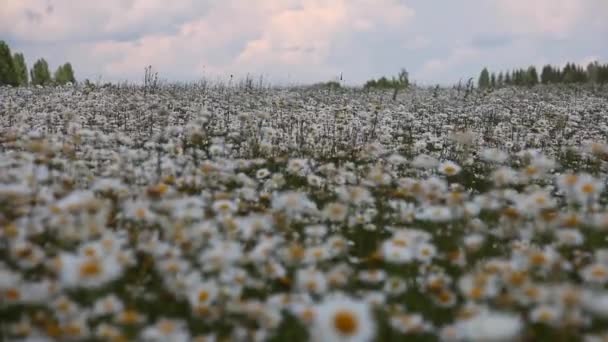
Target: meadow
[226, 213]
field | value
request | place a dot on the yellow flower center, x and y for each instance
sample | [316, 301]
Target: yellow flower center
[129, 317]
[545, 316]
[203, 295]
[400, 242]
[12, 294]
[588, 188]
[449, 170]
[346, 322]
[140, 213]
[166, 327]
[90, 269]
[599, 272]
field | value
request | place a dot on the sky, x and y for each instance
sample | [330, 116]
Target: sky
[304, 41]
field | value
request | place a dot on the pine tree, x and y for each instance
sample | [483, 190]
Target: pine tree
[40, 74]
[531, 76]
[508, 79]
[20, 69]
[547, 75]
[501, 79]
[592, 69]
[493, 80]
[602, 74]
[7, 67]
[484, 79]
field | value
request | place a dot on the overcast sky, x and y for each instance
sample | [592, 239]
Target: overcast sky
[438, 41]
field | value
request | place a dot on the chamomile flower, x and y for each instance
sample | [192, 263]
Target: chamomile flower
[546, 314]
[166, 330]
[335, 212]
[491, 326]
[449, 168]
[343, 319]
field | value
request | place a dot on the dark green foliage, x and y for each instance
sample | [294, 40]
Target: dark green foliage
[40, 73]
[531, 76]
[570, 74]
[7, 67]
[64, 74]
[327, 85]
[20, 69]
[381, 83]
[484, 79]
[400, 82]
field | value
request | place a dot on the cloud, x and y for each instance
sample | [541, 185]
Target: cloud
[302, 40]
[491, 41]
[67, 20]
[436, 66]
[557, 18]
[270, 36]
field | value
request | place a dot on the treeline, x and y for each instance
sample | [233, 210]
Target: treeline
[14, 72]
[401, 81]
[570, 74]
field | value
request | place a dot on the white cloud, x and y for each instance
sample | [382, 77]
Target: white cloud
[269, 36]
[61, 20]
[556, 18]
[311, 40]
[436, 66]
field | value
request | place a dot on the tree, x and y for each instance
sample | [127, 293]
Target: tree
[493, 80]
[64, 74]
[40, 74]
[531, 76]
[484, 79]
[602, 74]
[7, 68]
[592, 72]
[508, 80]
[402, 81]
[501, 79]
[548, 75]
[20, 69]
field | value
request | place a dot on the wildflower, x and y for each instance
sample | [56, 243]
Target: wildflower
[293, 203]
[494, 155]
[77, 271]
[129, 317]
[224, 207]
[343, 319]
[395, 286]
[298, 167]
[425, 252]
[546, 314]
[311, 280]
[399, 249]
[355, 195]
[424, 161]
[335, 212]
[569, 237]
[449, 168]
[262, 173]
[107, 306]
[473, 242]
[596, 273]
[587, 189]
[409, 323]
[373, 276]
[166, 330]
[596, 302]
[491, 326]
